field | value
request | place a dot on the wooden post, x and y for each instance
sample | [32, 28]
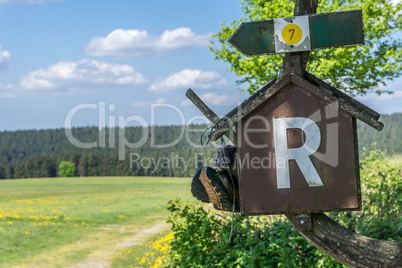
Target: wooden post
[302, 7]
[350, 248]
[341, 244]
[230, 134]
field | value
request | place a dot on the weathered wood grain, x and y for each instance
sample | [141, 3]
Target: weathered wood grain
[350, 248]
[343, 245]
[211, 115]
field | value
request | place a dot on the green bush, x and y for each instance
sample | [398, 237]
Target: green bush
[66, 169]
[201, 239]
[201, 235]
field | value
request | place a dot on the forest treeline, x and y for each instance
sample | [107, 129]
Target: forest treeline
[155, 151]
[162, 150]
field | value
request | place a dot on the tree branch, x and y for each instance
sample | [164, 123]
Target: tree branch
[350, 248]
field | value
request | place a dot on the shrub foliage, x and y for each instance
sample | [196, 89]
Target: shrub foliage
[380, 217]
[201, 235]
[66, 169]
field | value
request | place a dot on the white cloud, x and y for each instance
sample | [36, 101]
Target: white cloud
[134, 43]
[84, 72]
[214, 100]
[7, 91]
[189, 78]
[140, 104]
[385, 103]
[4, 57]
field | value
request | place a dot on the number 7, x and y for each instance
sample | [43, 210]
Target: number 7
[293, 31]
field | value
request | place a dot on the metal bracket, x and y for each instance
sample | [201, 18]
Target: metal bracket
[302, 222]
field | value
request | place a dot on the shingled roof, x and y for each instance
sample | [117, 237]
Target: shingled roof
[308, 82]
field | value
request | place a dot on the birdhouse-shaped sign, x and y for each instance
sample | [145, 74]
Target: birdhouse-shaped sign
[298, 148]
[298, 151]
[296, 136]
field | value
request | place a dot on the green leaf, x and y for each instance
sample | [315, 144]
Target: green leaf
[355, 70]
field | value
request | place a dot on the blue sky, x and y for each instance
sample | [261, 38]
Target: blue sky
[123, 55]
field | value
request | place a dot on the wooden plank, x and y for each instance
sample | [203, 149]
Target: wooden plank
[211, 115]
[349, 248]
[190, 94]
[302, 222]
[318, 88]
[316, 31]
[337, 29]
[254, 38]
[346, 103]
[340, 95]
[253, 103]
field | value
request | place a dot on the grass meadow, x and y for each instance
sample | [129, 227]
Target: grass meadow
[89, 221]
[83, 222]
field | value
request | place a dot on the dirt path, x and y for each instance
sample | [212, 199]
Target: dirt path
[98, 250]
[102, 258]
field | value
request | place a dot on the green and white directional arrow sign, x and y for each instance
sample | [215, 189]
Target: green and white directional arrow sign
[300, 33]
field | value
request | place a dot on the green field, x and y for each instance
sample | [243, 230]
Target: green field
[397, 158]
[82, 222]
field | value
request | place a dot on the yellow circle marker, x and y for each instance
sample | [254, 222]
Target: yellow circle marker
[292, 34]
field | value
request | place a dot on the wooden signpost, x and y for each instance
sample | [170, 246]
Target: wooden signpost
[299, 33]
[297, 136]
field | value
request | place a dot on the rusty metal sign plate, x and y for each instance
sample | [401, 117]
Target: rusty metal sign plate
[298, 154]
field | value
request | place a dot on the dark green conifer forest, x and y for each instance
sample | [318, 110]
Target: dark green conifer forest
[38, 153]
